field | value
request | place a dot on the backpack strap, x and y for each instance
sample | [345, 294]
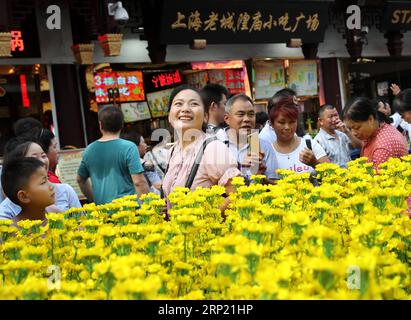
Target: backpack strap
[197, 161]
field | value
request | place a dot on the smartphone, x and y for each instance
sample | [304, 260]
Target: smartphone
[253, 143]
[308, 143]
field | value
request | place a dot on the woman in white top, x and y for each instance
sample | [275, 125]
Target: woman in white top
[293, 153]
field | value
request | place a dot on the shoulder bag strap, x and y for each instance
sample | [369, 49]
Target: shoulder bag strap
[165, 172]
[197, 161]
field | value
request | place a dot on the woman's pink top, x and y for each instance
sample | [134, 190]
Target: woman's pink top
[217, 165]
[387, 142]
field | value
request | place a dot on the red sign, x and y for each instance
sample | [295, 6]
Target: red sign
[129, 85]
[17, 43]
[166, 79]
[235, 80]
[24, 93]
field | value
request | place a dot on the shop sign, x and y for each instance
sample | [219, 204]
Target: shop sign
[25, 40]
[243, 21]
[161, 80]
[2, 92]
[69, 162]
[397, 16]
[129, 85]
[17, 42]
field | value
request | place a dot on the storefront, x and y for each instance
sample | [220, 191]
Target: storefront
[142, 90]
[24, 87]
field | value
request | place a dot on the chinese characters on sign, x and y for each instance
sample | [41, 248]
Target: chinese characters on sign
[235, 81]
[129, 85]
[69, 162]
[17, 43]
[166, 79]
[250, 22]
[246, 21]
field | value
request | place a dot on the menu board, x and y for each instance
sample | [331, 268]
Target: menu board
[232, 79]
[129, 85]
[269, 77]
[197, 79]
[217, 76]
[69, 162]
[235, 80]
[135, 111]
[303, 77]
[158, 101]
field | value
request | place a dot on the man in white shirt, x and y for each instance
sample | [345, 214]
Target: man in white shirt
[254, 155]
[334, 136]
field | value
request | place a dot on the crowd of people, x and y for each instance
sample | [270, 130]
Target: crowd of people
[216, 137]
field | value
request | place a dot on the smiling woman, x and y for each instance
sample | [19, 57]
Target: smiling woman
[216, 166]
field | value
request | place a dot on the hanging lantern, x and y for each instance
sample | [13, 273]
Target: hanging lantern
[111, 43]
[83, 53]
[5, 44]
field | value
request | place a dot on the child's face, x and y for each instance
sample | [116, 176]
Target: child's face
[39, 192]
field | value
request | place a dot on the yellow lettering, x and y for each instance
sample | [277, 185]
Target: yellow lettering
[405, 13]
[396, 16]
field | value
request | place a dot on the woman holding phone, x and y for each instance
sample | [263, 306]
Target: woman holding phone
[293, 153]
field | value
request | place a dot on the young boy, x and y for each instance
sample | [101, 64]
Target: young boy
[25, 182]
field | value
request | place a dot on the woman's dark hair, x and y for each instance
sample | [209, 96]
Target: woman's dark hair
[12, 143]
[132, 136]
[18, 151]
[183, 87]
[384, 100]
[44, 138]
[402, 102]
[360, 109]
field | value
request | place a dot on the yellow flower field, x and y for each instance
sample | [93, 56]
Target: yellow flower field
[347, 238]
